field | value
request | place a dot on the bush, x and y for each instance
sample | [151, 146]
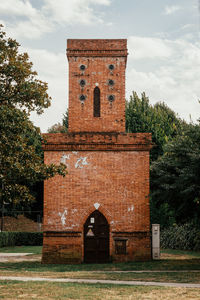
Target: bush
[181, 237]
[20, 238]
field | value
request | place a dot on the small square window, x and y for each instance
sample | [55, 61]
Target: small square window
[120, 246]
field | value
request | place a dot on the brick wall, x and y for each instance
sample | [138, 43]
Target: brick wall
[96, 56]
[115, 175]
[101, 177]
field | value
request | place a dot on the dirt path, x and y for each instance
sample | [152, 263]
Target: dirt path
[17, 257]
[95, 281]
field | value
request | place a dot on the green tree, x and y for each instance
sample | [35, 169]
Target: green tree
[65, 120]
[175, 178]
[21, 164]
[159, 119]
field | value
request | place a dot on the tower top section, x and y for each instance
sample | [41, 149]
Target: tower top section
[97, 47]
[97, 84]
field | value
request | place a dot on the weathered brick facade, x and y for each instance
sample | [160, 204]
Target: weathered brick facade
[100, 210]
[96, 56]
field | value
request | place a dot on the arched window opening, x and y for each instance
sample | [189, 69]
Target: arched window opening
[96, 102]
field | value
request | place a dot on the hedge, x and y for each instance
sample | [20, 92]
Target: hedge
[13, 238]
[181, 237]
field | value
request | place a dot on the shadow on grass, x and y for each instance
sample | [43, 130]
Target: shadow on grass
[187, 264]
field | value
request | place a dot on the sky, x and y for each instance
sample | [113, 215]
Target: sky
[163, 44]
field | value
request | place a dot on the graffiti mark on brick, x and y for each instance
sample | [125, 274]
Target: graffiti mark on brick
[63, 216]
[64, 157]
[131, 208]
[125, 193]
[50, 222]
[81, 161]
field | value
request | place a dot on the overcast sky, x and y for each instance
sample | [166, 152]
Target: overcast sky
[163, 45]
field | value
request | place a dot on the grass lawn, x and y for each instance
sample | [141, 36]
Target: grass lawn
[22, 249]
[171, 253]
[171, 260]
[160, 265]
[174, 261]
[43, 290]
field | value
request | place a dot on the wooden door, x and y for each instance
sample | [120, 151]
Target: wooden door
[96, 239]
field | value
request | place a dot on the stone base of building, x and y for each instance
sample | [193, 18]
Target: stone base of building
[68, 248]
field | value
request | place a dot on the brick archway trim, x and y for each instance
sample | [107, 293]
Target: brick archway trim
[101, 209]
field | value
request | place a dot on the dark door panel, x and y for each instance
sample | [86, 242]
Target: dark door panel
[96, 238]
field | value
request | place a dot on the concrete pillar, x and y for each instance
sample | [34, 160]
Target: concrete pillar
[156, 241]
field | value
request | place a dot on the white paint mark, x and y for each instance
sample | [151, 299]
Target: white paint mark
[75, 152]
[96, 205]
[96, 84]
[63, 216]
[125, 193]
[131, 208]
[64, 157]
[112, 222]
[74, 210]
[81, 161]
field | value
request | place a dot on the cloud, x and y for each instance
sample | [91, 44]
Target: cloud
[70, 12]
[37, 22]
[17, 8]
[144, 47]
[29, 29]
[169, 10]
[52, 68]
[173, 78]
[24, 20]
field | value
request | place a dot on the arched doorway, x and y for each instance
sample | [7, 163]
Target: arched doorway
[96, 239]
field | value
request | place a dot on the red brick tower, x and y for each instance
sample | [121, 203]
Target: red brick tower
[100, 211]
[97, 66]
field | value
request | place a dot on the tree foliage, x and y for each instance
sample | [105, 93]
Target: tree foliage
[159, 119]
[65, 121]
[21, 162]
[175, 161]
[19, 86]
[175, 178]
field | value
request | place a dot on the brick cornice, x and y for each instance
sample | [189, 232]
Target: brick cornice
[97, 48]
[95, 141]
[96, 53]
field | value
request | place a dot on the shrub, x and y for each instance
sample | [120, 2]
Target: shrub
[8, 238]
[182, 237]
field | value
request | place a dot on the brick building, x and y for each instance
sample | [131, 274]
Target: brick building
[100, 211]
